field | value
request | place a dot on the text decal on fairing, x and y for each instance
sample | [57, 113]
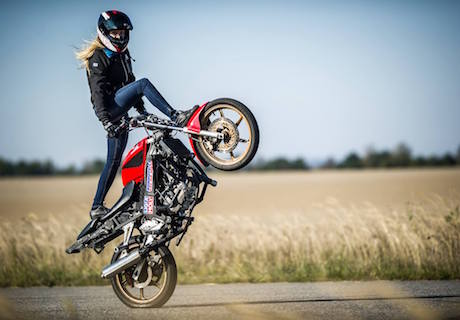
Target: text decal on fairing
[148, 199]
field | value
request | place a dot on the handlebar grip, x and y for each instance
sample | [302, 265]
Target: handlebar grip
[133, 122]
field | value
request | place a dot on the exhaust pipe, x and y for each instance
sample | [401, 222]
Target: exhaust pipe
[122, 264]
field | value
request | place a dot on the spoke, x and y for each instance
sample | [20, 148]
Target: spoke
[243, 140]
[221, 113]
[141, 293]
[232, 155]
[239, 120]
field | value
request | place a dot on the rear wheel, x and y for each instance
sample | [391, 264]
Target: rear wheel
[155, 284]
[239, 128]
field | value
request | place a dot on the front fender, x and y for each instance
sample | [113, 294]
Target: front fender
[194, 125]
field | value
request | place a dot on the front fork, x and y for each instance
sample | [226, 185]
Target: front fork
[149, 183]
[149, 209]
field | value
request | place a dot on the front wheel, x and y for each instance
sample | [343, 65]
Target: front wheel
[156, 281]
[240, 131]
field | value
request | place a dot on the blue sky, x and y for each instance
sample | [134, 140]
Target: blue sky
[322, 78]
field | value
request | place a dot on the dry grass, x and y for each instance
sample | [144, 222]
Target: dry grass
[346, 242]
[255, 227]
[335, 241]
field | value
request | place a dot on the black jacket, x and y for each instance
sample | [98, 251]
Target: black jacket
[107, 73]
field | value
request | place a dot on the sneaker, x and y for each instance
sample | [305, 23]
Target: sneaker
[98, 212]
[182, 117]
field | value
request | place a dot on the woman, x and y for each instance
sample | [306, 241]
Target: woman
[114, 91]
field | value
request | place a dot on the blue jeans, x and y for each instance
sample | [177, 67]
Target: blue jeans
[115, 148]
[124, 99]
[128, 95]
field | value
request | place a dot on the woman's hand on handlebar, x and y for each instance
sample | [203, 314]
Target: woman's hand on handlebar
[114, 130]
[143, 120]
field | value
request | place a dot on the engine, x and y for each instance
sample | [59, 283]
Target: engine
[177, 196]
[176, 186]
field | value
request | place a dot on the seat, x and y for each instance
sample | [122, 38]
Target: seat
[126, 195]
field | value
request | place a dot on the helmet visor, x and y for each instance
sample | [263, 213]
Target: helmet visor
[117, 21]
[119, 34]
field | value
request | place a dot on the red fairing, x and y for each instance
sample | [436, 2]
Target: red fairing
[132, 168]
[193, 124]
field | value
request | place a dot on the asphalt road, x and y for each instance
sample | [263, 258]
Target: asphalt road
[321, 300]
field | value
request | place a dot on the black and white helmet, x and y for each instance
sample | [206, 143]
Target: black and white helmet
[113, 20]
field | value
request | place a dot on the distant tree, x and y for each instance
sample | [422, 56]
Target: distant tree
[93, 167]
[282, 163]
[330, 163]
[278, 163]
[432, 161]
[6, 167]
[33, 168]
[377, 159]
[448, 160]
[69, 170]
[22, 167]
[419, 162]
[385, 159]
[401, 156]
[371, 158]
[48, 167]
[299, 163]
[458, 155]
[352, 160]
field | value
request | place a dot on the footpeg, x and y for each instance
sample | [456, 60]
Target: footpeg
[75, 248]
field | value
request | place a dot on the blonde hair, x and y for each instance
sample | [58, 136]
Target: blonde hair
[87, 51]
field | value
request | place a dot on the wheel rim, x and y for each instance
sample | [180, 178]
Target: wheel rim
[230, 121]
[151, 282]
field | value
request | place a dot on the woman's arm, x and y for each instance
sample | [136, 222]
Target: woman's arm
[99, 86]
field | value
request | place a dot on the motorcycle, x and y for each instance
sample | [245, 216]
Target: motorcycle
[162, 185]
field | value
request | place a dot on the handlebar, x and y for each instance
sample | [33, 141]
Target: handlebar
[152, 122]
[148, 121]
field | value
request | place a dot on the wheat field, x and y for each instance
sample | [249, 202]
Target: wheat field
[255, 227]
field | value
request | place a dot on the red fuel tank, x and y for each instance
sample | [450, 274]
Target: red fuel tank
[132, 168]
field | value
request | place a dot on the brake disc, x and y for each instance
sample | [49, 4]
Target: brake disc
[230, 132]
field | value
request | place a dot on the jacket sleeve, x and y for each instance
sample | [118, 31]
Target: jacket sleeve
[139, 105]
[99, 86]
